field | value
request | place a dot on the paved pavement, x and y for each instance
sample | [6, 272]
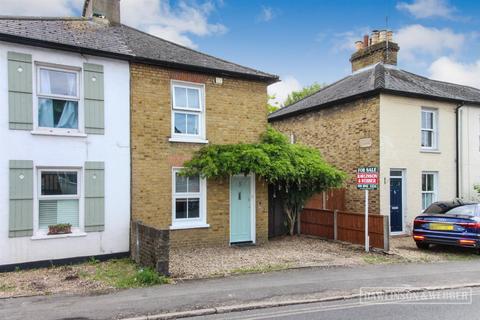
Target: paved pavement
[275, 286]
[341, 310]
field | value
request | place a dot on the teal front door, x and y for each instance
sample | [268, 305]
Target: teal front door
[240, 209]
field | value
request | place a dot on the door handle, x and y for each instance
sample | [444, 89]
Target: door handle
[394, 208]
[239, 196]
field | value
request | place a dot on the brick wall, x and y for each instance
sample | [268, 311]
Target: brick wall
[235, 112]
[336, 132]
[150, 247]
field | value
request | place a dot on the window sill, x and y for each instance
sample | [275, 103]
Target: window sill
[59, 134]
[430, 151]
[193, 226]
[188, 140]
[58, 236]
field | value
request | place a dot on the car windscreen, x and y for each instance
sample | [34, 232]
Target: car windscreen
[467, 210]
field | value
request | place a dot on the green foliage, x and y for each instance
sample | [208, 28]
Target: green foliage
[124, 273]
[148, 277]
[271, 107]
[92, 260]
[306, 91]
[296, 170]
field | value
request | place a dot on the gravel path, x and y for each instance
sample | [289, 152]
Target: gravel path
[294, 252]
[280, 253]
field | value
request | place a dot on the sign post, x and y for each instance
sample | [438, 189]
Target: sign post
[367, 179]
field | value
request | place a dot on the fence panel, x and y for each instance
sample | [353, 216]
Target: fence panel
[348, 227]
[317, 222]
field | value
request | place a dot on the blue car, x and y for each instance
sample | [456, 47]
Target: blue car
[455, 223]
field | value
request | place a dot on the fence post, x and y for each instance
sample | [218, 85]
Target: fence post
[335, 225]
[386, 233]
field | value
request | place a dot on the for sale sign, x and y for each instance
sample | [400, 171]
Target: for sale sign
[367, 178]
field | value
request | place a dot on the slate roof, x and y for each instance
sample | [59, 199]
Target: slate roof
[94, 37]
[376, 79]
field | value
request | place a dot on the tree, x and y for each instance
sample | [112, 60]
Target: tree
[297, 171]
[295, 96]
[272, 106]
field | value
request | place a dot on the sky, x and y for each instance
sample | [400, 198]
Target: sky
[304, 41]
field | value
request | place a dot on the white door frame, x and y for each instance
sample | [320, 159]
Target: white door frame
[253, 206]
[404, 218]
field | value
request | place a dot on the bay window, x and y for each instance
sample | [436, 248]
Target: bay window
[58, 98]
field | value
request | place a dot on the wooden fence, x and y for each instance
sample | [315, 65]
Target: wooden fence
[346, 226]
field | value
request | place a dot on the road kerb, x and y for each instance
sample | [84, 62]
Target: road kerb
[273, 304]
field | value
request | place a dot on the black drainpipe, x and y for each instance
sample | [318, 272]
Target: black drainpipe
[457, 139]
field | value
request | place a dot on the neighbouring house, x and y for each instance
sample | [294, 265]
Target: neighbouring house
[65, 140]
[422, 134]
[98, 119]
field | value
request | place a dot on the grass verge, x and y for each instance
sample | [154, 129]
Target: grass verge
[124, 273]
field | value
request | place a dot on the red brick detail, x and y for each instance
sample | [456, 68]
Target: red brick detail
[187, 76]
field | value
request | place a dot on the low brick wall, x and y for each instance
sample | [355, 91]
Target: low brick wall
[150, 247]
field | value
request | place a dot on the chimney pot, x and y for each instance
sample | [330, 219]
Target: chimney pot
[374, 37]
[358, 45]
[365, 41]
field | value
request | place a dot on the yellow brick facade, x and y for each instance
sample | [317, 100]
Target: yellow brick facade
[338, 133]
[235, 112]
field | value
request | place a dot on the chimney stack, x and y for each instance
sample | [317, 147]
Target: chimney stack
[102, 9]
[376, 48]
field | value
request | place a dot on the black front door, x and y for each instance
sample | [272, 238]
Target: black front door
[396, 223]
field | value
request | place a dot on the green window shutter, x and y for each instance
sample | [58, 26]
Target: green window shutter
[20, 104]
[21, 198]
[94, 98]
[94, 196]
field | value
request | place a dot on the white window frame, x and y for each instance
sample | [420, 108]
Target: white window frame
[188, 223]
[434, 130]
[43, 233]
[183, 137]
[78, 98]
[435, 186]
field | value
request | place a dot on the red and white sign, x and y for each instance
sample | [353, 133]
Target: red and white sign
[367, 178]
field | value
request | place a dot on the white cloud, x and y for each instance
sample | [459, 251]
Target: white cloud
[176, 24]
[345, 41]
[282, 89]
[267, 14]
[428, 8]
[447, 69]
[417, 39]
[40, 7]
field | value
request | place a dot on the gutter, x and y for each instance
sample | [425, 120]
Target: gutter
[457, 149]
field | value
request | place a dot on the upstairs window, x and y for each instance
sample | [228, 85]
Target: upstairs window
[58, 98]
[187, 111]
[429, 129]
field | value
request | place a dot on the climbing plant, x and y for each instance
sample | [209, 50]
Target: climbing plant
[297, 171]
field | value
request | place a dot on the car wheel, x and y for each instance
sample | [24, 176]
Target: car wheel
[423, 245]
